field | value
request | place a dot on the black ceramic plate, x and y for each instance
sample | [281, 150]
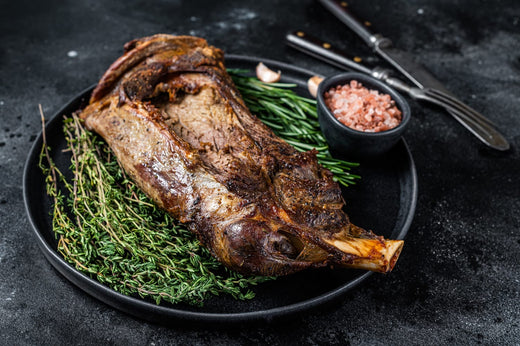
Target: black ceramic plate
[383, 200]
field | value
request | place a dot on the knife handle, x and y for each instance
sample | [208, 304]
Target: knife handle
[324, 51]
[340, 10]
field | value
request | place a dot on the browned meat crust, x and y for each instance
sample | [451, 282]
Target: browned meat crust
[178, 126]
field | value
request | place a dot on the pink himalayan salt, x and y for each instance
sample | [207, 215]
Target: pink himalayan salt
[362, 109]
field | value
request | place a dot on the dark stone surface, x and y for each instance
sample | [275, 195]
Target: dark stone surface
[458, 279]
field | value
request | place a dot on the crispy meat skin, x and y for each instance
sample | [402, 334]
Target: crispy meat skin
[178, 126]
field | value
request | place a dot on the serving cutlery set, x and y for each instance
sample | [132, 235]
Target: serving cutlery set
[424, 86]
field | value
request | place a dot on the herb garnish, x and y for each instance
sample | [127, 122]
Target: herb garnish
[107, 228]
[293, 118]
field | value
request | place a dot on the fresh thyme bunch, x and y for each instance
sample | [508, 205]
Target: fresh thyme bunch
[108, 229]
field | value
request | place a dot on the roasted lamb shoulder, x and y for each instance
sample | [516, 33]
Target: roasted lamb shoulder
[178, 126]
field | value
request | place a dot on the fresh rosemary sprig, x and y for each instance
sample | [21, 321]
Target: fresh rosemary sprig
[107, 228]
[293, 118]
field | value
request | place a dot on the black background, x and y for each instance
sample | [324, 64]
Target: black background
[458, 279]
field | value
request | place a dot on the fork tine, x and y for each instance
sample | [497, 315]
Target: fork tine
[448, 103]
[455, 107]
[454, 101]
[477, 129]
[483, 130]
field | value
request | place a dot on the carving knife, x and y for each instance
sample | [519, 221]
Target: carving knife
[413, 71]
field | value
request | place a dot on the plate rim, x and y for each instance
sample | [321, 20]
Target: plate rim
[135, 306]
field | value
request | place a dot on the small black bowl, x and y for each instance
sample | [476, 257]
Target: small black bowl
[350, 143]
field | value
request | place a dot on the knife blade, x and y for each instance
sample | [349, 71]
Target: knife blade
[328, 53]
[405, 64]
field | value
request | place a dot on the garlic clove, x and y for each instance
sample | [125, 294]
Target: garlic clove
[312, 85]
[267, 75]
